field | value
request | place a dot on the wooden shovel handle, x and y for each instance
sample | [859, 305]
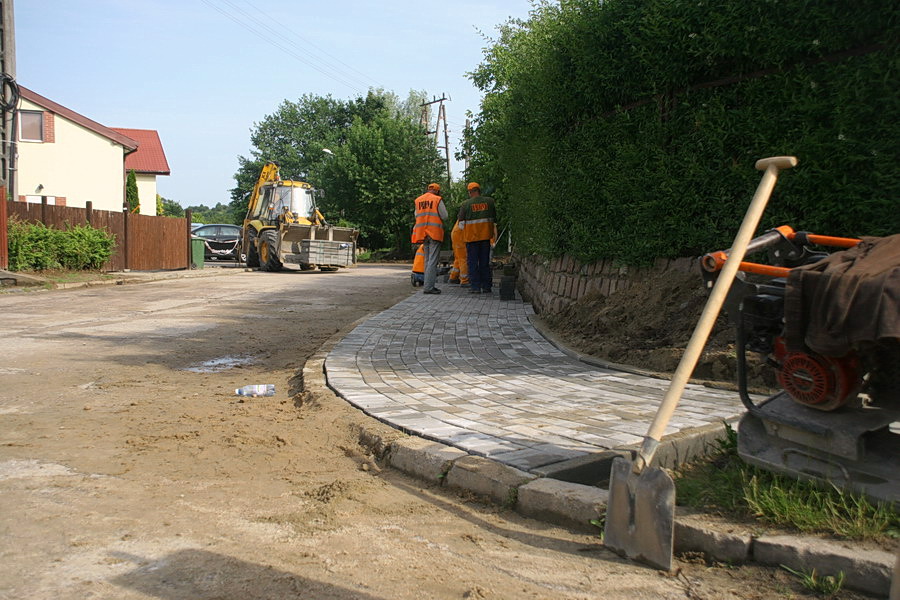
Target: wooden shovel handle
[771, 167]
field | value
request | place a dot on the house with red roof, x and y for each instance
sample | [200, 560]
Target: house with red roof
[148, 161]
[70, 159]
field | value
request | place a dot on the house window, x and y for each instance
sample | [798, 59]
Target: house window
[31, 126]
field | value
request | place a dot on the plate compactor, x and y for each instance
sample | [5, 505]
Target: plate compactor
[829, 324]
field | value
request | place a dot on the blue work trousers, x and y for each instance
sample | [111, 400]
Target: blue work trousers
[478, 256]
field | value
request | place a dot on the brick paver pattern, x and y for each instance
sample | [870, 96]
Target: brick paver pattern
[471, 371]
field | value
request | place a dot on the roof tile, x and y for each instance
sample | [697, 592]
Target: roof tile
[149, 157]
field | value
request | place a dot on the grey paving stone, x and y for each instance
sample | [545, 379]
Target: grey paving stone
[475, 374]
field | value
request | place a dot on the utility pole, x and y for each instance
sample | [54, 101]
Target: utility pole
[465, 146]
[8, 102]
[441, 116]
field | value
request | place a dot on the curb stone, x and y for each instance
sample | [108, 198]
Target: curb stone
[691, 536]
[864, 570]
[119, 278]
[422, 458]
[487, 478]
[570, 504]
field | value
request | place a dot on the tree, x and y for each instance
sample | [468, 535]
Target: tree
[376, 174]
[381, 159]
[294, 137]
[220, 213]
[131, 192]
[168, 208]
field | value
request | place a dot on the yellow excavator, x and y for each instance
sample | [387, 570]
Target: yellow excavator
[284, 226]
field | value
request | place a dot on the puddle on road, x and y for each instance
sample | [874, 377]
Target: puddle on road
[217, 365]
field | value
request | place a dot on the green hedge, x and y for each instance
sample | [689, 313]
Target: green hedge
[628, 129]
[35, 247]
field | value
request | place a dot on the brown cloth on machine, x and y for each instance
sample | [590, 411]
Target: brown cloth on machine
[849, 297]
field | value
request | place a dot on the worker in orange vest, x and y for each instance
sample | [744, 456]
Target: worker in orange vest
[477, 219]
[429, 231]
[459, 274]
[418, 267]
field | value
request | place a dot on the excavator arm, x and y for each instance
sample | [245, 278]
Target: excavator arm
[268, 174]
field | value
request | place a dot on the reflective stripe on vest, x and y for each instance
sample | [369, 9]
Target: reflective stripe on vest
[478, 230]
[428, 219]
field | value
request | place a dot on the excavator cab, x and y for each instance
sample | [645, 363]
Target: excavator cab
[291, 203]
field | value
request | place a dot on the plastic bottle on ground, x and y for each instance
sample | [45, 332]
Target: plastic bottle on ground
[262, 389]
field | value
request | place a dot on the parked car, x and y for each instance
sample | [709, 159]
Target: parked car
[222, 241]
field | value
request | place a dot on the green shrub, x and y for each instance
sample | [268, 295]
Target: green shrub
[83, 247]
[36, 247]
[629, 129]
[31, 246]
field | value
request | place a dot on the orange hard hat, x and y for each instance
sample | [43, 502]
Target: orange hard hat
[473, 186]
[433, 187]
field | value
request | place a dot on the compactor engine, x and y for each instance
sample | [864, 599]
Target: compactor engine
[829, 326]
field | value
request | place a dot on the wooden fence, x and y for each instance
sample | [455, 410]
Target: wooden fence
[143, 243]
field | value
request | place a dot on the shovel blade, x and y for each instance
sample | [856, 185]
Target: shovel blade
[640, 514]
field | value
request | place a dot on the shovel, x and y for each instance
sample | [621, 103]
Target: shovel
[640, 511]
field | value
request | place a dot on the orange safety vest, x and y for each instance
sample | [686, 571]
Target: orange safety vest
[419, 260]
[428, 219]
[478, 219]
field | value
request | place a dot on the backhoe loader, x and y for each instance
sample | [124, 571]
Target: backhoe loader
[284, 225]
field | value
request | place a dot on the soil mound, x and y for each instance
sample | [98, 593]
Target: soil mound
[648, 325]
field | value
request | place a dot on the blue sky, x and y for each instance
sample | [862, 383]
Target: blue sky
[201, 72]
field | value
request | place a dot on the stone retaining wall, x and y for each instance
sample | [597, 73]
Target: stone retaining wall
[552, 284]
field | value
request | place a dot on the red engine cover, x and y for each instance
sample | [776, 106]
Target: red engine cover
[817, 381]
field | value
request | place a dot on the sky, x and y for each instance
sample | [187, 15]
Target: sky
[202, 72]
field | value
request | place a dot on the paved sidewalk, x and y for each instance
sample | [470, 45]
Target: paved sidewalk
[471, 371]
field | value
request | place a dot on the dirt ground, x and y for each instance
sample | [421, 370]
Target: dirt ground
[130, 470]
[648, 325]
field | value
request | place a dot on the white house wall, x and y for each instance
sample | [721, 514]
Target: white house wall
[79, 165]
[147, 193]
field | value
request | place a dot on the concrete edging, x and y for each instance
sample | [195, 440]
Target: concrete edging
[577, 506]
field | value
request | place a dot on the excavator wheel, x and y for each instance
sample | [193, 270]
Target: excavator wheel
[268, 251]
[252, 259]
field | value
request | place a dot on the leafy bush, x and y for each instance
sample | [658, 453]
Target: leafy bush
[629, 129]
[36, 247]
[83, 247]
[31, 246]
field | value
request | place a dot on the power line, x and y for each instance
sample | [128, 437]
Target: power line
[291, 40]
[266, 36]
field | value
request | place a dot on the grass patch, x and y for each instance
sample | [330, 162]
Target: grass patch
[827, 585]
[64, 276]
[724, 484]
